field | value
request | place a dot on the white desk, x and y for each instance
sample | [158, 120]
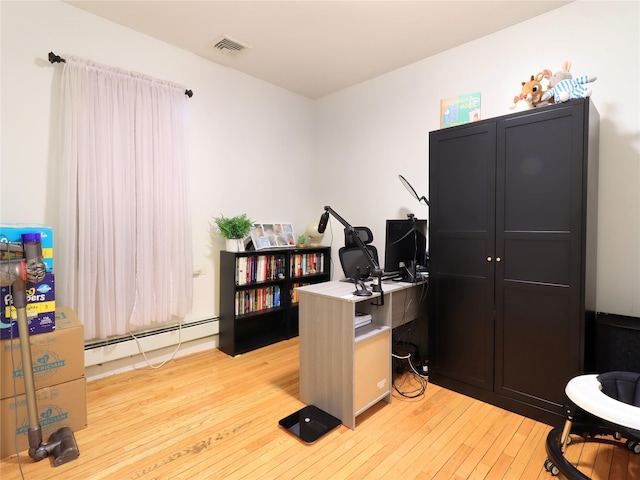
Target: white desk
[344, 371]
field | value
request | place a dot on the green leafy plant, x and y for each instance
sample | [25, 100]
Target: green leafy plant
[302, 240]
[234, 227]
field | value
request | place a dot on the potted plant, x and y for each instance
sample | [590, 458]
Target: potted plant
[302, 241]
[234, 230]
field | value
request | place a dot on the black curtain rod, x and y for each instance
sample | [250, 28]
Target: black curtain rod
[53, 58]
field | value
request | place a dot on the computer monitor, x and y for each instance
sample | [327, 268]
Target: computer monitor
[405, 247]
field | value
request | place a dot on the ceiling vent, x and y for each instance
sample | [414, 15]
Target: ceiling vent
[229, 46]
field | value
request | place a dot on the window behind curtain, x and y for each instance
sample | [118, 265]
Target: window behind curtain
[123, 249]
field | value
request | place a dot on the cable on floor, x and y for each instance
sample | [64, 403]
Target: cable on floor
[161, 364]
[409, 382]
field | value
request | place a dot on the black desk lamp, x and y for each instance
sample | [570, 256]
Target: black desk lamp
[376, 271]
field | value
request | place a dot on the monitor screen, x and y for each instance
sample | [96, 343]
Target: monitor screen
[405, 244]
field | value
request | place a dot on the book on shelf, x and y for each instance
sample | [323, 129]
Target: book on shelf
[261, 268]
[307, 264]
[257, 299]
[361, 319]
[241, 270]
[295, 296]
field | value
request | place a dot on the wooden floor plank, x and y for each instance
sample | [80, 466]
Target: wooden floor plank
[211, 416]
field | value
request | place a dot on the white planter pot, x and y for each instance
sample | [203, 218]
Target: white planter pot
[235, 245]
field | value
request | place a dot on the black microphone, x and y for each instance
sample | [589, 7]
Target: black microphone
[324, 219]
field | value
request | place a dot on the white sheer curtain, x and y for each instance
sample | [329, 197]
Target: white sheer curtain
[123, 251]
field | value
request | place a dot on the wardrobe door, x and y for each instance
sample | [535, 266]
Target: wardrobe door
[461, 245]
[540, 204]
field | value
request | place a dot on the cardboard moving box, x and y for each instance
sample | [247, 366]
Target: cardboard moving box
[58, 406]
[57, 356]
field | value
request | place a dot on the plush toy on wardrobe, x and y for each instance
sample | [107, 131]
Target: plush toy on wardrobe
[564, 87]
[530, 95]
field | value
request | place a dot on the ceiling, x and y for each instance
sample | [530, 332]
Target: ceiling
[312, 47]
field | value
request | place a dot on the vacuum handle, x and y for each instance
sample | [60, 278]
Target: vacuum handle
[19, 294]
[36, 268]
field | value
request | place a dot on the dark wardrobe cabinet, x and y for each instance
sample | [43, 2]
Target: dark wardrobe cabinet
[512, 256]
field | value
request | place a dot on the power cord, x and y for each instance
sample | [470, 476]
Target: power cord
[414, 384]
[411, 381]
[161, 364]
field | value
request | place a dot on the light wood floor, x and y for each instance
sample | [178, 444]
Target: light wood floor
[210, 416]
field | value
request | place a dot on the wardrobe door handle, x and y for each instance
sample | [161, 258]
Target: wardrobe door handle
[498, 259]
[489, 259]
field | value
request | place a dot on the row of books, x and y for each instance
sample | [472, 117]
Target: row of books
[260, 268]
[264, 268]
[257, 299]
[295, 296]
[307, 264]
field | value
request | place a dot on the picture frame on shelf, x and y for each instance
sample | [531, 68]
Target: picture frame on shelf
[272, 235]
[460, 110]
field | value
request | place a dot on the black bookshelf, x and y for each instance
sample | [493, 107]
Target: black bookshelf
[258, 302]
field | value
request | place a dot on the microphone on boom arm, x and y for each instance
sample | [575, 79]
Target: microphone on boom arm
[324, 219]
[373, 263]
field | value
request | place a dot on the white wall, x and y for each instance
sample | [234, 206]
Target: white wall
[251, 143]
[379, 129]
[277, 156]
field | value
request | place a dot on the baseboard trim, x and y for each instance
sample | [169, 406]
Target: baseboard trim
[156, 357]
[125, 353]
